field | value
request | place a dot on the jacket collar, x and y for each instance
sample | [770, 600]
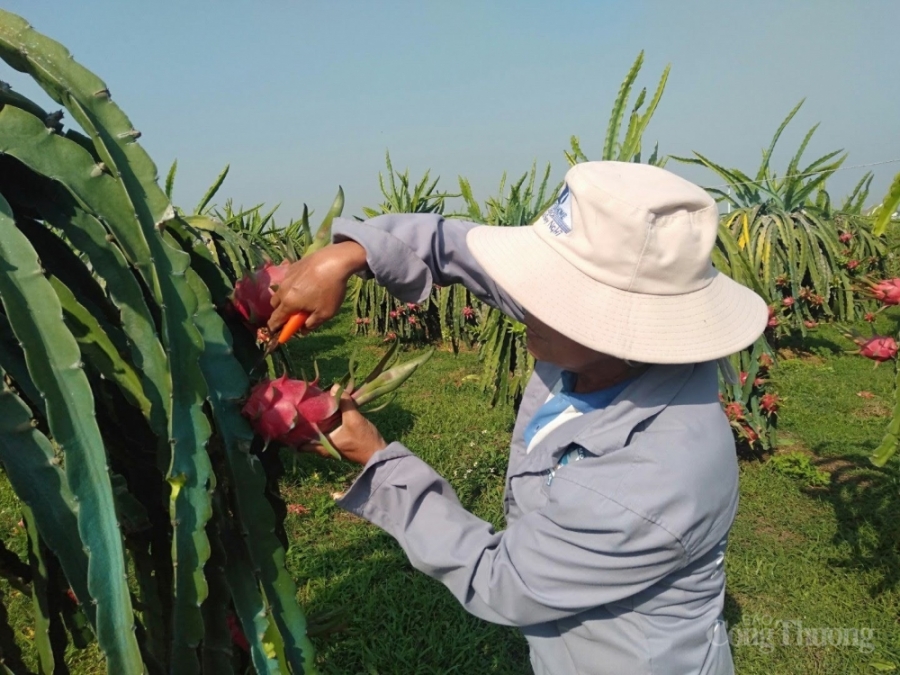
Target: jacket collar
[603, 430]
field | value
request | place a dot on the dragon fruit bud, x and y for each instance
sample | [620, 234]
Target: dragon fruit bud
[845, 237]
[468, 312]
[252, 296]
[879, 348]
[870, 317]
[852, 264]
[887, 291]
[788, 301]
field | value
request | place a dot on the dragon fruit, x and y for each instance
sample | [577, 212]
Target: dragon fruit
[879, 348]
[291, 412]
[769, 403]
[887, 291]
[253, 292]
[295, 412]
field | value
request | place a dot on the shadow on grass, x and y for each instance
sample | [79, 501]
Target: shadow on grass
[732, 611]
[812, 343]
[866, 503]
[421, 628]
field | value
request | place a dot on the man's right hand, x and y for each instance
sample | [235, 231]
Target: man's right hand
[317, 284]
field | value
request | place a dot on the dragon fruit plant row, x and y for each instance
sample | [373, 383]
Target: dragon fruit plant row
[122, 384]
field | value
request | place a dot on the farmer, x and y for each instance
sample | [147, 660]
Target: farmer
[622, 480]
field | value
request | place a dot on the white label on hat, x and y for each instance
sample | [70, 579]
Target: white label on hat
[558, 217]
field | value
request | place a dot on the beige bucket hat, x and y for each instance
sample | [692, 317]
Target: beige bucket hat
[621, 263]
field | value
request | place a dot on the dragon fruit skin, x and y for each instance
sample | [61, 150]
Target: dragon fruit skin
[291, 412]
[887, 291]
[294, 412]
[879, 348]
[252, 296]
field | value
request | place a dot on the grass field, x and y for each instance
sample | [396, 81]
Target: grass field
[812, 571]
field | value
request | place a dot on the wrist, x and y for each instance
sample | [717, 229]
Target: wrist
[349, 257]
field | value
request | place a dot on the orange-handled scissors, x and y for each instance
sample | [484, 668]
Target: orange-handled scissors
[291, 326]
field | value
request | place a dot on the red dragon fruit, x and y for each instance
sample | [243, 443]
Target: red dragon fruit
[295, 412]
[734, 411]
[769, 403]
[292, 412]
[887, 291]
[878, 348]
[253, 292]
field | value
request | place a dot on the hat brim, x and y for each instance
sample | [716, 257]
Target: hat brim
[720, 319]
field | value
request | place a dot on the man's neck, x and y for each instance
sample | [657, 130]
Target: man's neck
[605, 375]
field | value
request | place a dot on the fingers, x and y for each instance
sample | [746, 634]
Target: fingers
[278, 318]
[315, 448]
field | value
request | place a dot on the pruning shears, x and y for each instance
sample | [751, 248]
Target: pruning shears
[291, 326]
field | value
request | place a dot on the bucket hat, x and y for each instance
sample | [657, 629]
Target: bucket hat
[620, 263]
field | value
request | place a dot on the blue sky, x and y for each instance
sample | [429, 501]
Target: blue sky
[302, 96]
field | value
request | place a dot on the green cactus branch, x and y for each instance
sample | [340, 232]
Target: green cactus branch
[54, 361]
[35, 474]
[228, 384]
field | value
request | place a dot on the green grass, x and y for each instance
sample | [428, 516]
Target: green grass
[823, 557]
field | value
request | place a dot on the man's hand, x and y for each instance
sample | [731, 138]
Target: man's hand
[317, 285]
[356, 439]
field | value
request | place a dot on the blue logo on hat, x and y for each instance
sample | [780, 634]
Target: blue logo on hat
[558, 217]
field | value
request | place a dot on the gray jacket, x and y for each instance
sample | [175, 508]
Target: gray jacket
[613, 567]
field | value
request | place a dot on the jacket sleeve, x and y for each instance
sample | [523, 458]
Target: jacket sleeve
[408, 253]
[577, 553]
